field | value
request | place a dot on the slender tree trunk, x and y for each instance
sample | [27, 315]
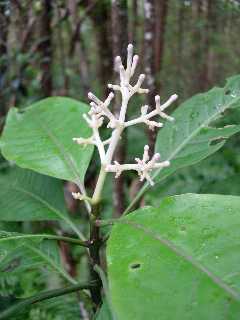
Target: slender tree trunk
[4, 21]
[208, 42]
[204, 26]
[179, 54]
[133, 22]
[160, 26]
[197, 42]
[155, 13]
[77, 45]
[45, 47]
[23, 23]
[101, 16]
[119, 18]
[62, 55]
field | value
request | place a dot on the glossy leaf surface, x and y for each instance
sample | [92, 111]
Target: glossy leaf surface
[193, 135]
[178, 261]
[26, 195]
[40, 138]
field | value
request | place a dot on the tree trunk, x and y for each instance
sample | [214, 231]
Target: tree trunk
[208, 42]
[155, 13]
[101, 21]
[160, 25]
[179, 54]
[197, 42]
[62, 55]
[23, 23]
[4, 21]
[133, 23]
[77, 45]
[45, 47]
[204, 25]
[119, 20]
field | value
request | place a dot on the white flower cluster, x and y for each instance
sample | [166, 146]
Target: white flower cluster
[100, 111]
[143, 167]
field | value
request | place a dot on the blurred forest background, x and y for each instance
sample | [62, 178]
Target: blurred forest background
[66, 48]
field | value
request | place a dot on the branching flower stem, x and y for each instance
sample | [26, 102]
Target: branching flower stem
[99, 110]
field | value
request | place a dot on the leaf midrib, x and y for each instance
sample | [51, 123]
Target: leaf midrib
[38, 199]
[51, 262]
[194, 133]
[65, 156]
[50, 207]
[195, 263]
[69, 162]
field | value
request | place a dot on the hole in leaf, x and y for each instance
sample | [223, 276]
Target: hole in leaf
[135, 265]
[183, 229]
[228, 92]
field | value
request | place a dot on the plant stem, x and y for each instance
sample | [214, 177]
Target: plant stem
[99, 185]
[94, 252]
[105, 289]
[108, 159]
[15, 309]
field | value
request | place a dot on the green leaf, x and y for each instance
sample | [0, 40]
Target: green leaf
[190, 139]
[26, 195]
[178, 261]
[21, 253]
[40, 138]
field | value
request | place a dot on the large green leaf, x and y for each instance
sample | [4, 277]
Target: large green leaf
[190, 138]
[178, 261]
[40, 138]
[26, 195]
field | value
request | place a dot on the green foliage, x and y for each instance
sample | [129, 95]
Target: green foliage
[202, 177]
[179, 258]
[21, 253]
[61, 308]
[26, 195]
[190, 138]
[177, 261]
[40, 138]
[229, 185]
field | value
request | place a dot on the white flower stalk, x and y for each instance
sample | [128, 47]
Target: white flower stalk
[145, 117]
[100, 110]
[143, 167]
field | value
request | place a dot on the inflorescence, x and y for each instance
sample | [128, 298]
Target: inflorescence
[100, 110]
